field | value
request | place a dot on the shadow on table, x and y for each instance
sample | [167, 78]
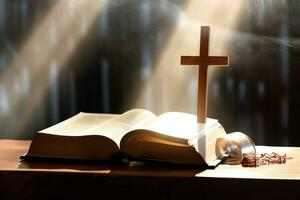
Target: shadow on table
[132, 168]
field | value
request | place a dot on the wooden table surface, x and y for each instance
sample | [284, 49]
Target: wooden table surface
[166, 180]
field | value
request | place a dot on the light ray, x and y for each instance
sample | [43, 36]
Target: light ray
[221, 17]
[66, 31]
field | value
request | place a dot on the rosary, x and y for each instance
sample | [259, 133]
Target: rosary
[240, 149]
[254, 160]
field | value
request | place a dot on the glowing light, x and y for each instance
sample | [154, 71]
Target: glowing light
[53, 33]
[4, 105]
[146, 61]
[53, 69]
[284, 53]
[145, 18]
[57, 27]
[103, 26]
[163, 4]
[221, 16]
[72, 93]
[261, 12]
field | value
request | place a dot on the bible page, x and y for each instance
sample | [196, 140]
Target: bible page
[117, 127]
[177, 124]
[78, 125]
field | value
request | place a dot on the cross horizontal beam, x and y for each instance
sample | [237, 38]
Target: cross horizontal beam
[210, 60]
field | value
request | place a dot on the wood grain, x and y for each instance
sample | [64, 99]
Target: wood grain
[203, 60]
[11, 150]
[53, 180]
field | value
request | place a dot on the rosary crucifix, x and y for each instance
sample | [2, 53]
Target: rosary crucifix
[203, 60]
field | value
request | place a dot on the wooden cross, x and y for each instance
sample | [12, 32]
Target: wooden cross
[203, 60]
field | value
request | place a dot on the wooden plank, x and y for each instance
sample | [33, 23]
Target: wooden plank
[41, 180]
[11, 150]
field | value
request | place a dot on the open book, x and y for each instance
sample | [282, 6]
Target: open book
[171, 137]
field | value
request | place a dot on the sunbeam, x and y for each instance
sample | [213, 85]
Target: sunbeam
[178, 85]
[48, 48]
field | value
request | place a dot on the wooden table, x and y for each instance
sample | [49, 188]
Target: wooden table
[28, 180]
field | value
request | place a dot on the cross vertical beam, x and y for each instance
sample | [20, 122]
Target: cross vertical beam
[203, 60]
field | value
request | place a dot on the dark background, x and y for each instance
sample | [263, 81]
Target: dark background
[111, 65]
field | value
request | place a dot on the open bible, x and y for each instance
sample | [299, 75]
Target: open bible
[172, 137]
